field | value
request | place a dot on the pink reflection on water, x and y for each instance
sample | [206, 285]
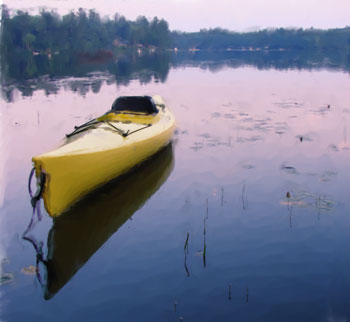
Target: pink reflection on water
[230, 120]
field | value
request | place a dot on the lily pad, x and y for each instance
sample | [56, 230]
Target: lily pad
[30, 270]
[6, 278]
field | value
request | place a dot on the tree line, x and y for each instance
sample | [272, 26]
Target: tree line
[47, 43]
[86, 31]
[81, 31]
[274, 39]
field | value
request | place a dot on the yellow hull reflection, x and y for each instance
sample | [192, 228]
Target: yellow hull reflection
[86, 226]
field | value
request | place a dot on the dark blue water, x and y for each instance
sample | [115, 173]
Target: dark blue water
[245, 217]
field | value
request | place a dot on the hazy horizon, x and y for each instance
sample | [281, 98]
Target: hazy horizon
[193, 15]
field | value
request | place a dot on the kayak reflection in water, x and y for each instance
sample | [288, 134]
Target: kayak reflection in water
[76, 235]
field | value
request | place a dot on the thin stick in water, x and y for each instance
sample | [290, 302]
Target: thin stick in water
[207, 209]
[243, 198]
[222, 196]
[186, 268]
[186, 243]
[186, 252]
[205, 245]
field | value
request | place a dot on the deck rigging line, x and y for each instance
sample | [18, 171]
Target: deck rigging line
[92, 125]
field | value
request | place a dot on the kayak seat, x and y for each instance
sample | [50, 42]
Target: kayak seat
[134, 104]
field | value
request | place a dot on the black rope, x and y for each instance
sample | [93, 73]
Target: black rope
[36, 211]
[142, 128]
[83, 127]
[85, 124]
[127, 133]
[121, 132]
[39, 256]
[91, 124]
[34, 199]
[29, 182]
[39, 192]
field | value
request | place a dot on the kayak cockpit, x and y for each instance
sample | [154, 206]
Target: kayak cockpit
[134, 104]
[142, 110]
[135, 109]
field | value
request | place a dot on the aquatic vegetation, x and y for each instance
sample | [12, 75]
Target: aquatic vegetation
[253, 138]
[304, 199]
[186, 253]
[289, 103]
[288, 169]
[244, 197]
[29, 270]
[304, 138]
[6, 278]
[248, 166]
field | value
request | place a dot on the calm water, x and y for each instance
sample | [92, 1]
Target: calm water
[245, 217]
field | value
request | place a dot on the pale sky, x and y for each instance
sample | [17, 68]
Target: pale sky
[192, 15]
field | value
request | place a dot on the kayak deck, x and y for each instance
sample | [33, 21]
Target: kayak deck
[98, 154]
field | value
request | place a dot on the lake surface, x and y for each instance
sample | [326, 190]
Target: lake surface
[245, 217]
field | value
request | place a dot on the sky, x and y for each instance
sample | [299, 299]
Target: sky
[192, 15]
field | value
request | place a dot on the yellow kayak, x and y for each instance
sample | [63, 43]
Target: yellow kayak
[94, 153]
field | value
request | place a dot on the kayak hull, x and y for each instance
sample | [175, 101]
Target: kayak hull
[73, 173]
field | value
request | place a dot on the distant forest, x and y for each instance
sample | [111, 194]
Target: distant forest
[46, 43]
[275, 39]
[86, 31]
